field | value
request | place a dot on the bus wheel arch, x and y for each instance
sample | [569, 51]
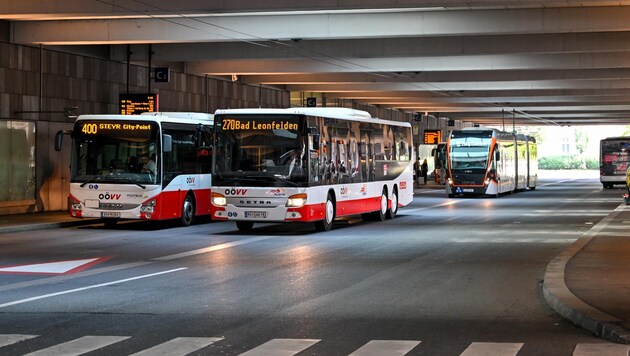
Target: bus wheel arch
[188, 209]
[330, 213]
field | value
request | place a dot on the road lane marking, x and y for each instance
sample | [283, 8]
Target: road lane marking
[281, 347]
[79, 346]
[601, 350]
[53, 268]
[386, 347]
[26, 300]
[492, 348]
[179, 346]
[212, 248]
[6, 340]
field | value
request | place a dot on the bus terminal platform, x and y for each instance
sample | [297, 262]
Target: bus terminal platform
[588, 283]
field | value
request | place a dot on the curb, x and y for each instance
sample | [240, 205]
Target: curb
[559, 297]
[45, 226]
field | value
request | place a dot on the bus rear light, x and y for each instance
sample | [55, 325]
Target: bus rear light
[296, 200]
[218, 199]
[148, 207]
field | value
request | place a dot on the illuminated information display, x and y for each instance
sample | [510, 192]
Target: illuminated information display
[115, 128]
[432, 136]
[253, 124]
[135, 104]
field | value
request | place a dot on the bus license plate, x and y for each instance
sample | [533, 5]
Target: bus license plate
[256, 214]
[107, 214]
[468, 190]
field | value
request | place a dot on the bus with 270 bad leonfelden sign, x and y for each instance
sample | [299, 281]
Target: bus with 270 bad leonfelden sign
[308, 165]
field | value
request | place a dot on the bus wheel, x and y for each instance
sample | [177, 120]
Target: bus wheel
[391, 213]
[244, 225]
[110, 222]
[326, 224]
[381, 214]
[188, 211]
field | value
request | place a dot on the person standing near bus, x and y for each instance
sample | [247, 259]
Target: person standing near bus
[424, 169]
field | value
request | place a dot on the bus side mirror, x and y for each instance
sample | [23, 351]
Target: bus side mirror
[59, 138]
[497, 155]
[316, 141]
[167, 143]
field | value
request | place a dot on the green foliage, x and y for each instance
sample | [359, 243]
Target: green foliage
[567, 162]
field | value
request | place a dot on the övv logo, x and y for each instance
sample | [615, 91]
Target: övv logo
[108, 196]
[234, 191]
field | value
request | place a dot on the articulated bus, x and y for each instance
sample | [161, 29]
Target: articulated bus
[483, 161]
[153, 166]
[309, 165]
[614, 157]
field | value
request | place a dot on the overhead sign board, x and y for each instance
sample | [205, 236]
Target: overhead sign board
[135, 104]
[432, 136]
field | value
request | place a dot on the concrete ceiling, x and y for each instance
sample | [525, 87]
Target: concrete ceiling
[540, 62]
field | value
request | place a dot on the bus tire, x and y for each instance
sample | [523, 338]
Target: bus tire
[329, 215]
[188, 211]
[381, 214]
[244, 225]
[391, 213]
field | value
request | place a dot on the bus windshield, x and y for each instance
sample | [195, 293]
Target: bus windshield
[124, 152]
[615, 156]
[469, 152]
[260, 150]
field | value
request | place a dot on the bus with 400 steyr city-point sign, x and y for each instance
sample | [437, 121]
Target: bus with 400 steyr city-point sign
[154, 166]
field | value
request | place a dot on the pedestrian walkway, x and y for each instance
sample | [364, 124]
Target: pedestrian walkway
[287, 347]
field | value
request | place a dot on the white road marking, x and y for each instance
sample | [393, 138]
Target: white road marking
[386, 347]
[492, 348]
[179, 346]
[26, 300]
[212, 248]
[601, 350]
[13, 339]
[281, 347]
[79, 346]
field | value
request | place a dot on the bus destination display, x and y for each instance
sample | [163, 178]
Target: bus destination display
[127, 129]
[135, 104]
[242, 124]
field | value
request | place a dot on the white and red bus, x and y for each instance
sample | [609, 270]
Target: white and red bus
[309, 165]
[485, 161]
[153, 166]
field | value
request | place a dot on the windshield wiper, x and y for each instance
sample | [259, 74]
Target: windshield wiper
[90, 181]
[132, 181]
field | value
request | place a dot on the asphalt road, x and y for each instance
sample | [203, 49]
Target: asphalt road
[445, 277]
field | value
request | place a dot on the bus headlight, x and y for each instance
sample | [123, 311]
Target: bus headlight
[218, 199]
[487, 181]
[296, 201]
[450, 181]
[147, 207]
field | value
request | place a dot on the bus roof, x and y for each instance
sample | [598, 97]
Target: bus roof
[189, 118]
[330, 112]
[616, 138]
[199, 116]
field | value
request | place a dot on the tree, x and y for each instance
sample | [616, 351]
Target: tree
[581, 142]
